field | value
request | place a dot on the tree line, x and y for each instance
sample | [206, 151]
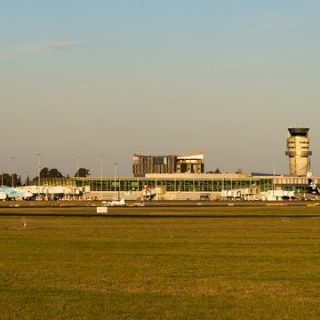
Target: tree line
[10, 180]
[14, 180]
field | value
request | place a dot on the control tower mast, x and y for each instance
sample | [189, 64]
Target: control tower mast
[298, 151]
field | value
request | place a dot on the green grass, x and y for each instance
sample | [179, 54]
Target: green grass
[160, 268]
[273, 209]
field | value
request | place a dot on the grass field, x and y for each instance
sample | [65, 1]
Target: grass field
[177, 209]
[160, 268]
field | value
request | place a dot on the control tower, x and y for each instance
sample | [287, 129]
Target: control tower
[298, 151]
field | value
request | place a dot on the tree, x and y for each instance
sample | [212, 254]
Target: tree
[10, 180]
[217, 170]
[17, 180]
[82, 172]
[55, 173]
[27, 181]
[5, 179]
[44, 173]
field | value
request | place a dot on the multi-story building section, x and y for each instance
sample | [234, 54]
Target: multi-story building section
[298, 151]
[190, 163]
[143, 164]
[187, 163]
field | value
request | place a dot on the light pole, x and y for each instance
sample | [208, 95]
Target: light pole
[274, 176]
[115, 176]
[12, 177]
[2, 178]
[119, 185]
[27, 178]
[39, 169]
[78, 167]
[101, 164]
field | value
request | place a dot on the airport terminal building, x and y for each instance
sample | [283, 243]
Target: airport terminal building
[182, 186]
[182, 177]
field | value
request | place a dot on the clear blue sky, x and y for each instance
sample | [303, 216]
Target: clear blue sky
[83, 78]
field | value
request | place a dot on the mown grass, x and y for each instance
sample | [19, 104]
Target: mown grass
[177, 268]
[263, 209]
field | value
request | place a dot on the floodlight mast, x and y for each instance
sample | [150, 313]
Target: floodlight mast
[78, 167]
[12, 177]
[115, 176]
[101, 173]
[39, 169]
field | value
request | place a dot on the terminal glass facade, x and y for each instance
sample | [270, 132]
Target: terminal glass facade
[185, 184]
[170, 185]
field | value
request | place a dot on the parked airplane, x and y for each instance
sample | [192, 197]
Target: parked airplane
[312, 187]
[148, 193]
[7, 193]
[114, 203]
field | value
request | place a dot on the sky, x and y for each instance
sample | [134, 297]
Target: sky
[104, 79]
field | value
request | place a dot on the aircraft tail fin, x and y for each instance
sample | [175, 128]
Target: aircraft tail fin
[312, 187]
